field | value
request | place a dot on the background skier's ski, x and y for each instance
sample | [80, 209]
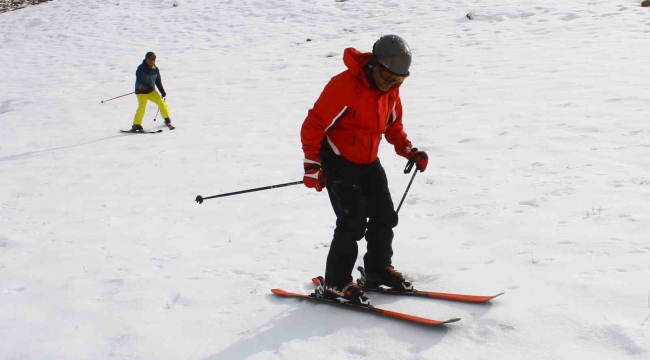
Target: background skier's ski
[141, 132]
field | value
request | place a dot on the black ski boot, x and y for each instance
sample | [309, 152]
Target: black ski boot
[168, 122]
[350, 292]
[137, 128]
[387, 276]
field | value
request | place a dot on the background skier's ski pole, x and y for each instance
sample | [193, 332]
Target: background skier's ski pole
[199, 199]
[117, 97]
[407, 169]
[157, 111]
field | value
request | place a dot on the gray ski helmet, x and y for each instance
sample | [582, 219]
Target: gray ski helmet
[393, 53]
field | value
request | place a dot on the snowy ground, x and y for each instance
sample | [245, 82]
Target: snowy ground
[534, 114]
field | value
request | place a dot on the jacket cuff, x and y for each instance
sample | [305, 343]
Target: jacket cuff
[311, 164]
[405, 149]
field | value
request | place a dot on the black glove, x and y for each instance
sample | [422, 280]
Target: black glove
[163, 94]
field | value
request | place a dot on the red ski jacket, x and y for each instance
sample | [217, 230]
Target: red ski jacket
[353, 116]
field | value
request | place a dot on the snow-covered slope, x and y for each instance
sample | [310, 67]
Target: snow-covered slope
[534, 114]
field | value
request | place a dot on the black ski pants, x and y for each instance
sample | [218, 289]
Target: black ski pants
[363, 206]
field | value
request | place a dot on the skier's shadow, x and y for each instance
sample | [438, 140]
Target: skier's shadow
[29, 154]
[305, 320]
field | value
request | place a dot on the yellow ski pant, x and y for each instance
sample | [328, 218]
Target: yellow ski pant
[142, 106]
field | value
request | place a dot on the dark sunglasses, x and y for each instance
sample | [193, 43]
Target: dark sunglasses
[151, 58]
[389, 76]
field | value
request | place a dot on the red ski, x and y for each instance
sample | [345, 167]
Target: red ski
[419, 293]
[434, 295]
[366, 308]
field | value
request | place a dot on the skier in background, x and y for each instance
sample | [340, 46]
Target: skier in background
[340, 139]
[146, 76]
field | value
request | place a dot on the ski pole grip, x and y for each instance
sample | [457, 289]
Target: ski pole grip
[409, 165]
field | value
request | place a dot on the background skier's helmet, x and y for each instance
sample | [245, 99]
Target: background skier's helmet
[393, 53]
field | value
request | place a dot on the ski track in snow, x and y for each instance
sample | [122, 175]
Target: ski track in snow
[534, 115]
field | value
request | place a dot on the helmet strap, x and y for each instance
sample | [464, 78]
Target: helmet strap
[373, 61]
[368, 73]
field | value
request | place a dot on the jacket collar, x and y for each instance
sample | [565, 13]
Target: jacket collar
[144, 62]
[355, 62]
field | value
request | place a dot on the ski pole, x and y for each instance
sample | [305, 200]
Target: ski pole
[407, 169]
[199, 199]
[103, 101]
[157, 111]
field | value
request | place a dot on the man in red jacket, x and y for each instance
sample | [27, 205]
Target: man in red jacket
[340, 139]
